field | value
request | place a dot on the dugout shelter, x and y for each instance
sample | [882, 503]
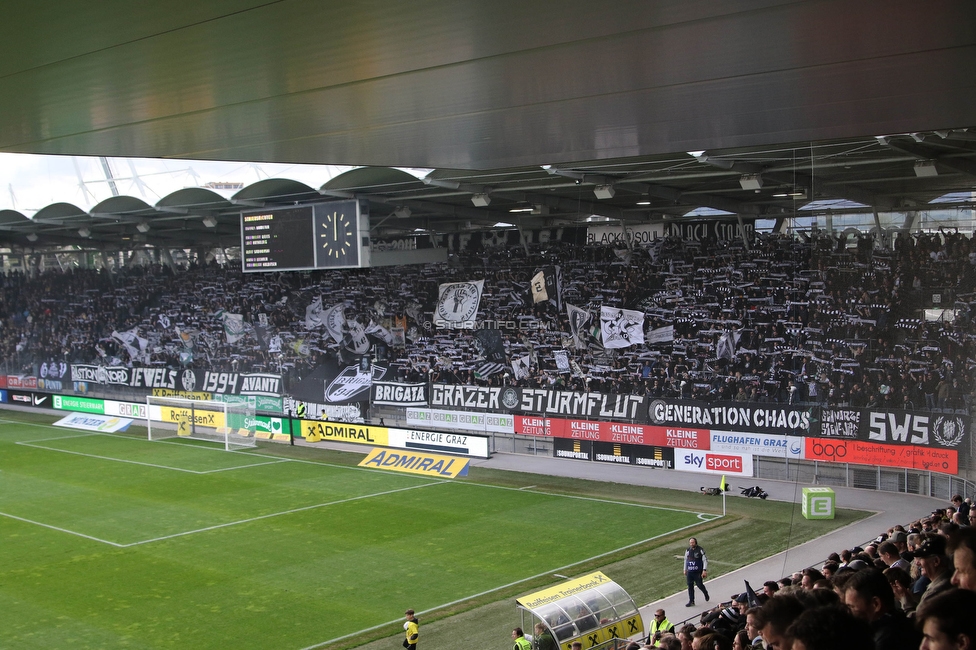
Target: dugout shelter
[592, 609]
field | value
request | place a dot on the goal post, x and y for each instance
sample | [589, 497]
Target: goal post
[230, 425]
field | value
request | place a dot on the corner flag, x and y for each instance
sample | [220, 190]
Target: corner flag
[724, 485]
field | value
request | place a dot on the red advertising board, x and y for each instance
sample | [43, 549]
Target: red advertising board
[3, 381]
[634, 434]
[21, 381]
[871, 453]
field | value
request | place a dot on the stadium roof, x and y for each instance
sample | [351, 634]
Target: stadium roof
[753, 107]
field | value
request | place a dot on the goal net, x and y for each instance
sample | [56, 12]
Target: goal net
[230, 425]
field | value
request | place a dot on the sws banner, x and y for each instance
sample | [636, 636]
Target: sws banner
[920, 428]
[727, 416]
[187, 379]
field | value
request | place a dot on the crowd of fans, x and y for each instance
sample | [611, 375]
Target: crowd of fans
[784, 319]
[912, 587]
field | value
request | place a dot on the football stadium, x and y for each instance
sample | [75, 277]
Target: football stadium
[455, 325]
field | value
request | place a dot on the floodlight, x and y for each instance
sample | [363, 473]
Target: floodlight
[604, 191]
[142, 226]
[84, 232]
[926, 168]
[750, 181]
[402, 212]
[210, 222]
[481, 200]
[32, 237]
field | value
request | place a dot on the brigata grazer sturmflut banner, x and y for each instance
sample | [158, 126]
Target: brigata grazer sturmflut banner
[538, 401]
[186, 379]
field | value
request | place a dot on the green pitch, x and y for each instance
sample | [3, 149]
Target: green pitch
[112, 541]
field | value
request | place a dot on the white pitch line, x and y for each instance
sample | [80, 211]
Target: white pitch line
[79, 435]
[528, 487]
[227, 469]
[117, 460]
[62, 530]
[136, 462]
[279, 514]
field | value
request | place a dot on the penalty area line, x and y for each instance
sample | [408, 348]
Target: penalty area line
[61, 530]
[506, 586]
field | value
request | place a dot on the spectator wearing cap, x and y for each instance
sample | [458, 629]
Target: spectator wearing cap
[962, 545]
[871, 599]
[947, 621]
[931, 558]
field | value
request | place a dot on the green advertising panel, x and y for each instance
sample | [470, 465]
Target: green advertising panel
[80, 404]
[818, 503]
[257, 402]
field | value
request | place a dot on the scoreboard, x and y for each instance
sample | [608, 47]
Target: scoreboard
[331, 235]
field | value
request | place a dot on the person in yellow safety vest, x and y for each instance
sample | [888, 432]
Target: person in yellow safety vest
[521, 643]
[411, 630]
[660, 625]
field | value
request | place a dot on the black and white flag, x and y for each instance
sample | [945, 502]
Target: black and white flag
[660, 335]
[547, 286]
[458, 301]
[562, 361]
[578, 321]
[520, 367]
[621, 328]
[313, 314]
[334, 320]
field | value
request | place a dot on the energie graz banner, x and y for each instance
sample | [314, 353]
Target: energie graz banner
[187, 379]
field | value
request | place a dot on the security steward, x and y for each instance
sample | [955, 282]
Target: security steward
[411, 630]
[660, 625]
[521, 643]
[696, 568]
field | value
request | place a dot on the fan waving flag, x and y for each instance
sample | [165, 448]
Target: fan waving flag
[621, 328]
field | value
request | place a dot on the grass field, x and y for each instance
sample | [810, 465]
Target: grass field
[112, 541]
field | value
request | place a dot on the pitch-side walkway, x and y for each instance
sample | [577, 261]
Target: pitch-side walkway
[890, 509]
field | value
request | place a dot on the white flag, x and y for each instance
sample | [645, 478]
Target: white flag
[562, 361]
[313, 314]
[334, 320]
[621, 328]
[661, 335]
[459, 301]
[233, 327]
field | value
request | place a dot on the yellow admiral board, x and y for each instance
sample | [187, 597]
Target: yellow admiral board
[413, 462]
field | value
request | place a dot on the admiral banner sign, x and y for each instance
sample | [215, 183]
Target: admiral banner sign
[945, 430]
[759, 418]
[188, 379]
[394, 394]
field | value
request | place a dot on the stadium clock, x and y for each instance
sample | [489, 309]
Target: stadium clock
[336, 235]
